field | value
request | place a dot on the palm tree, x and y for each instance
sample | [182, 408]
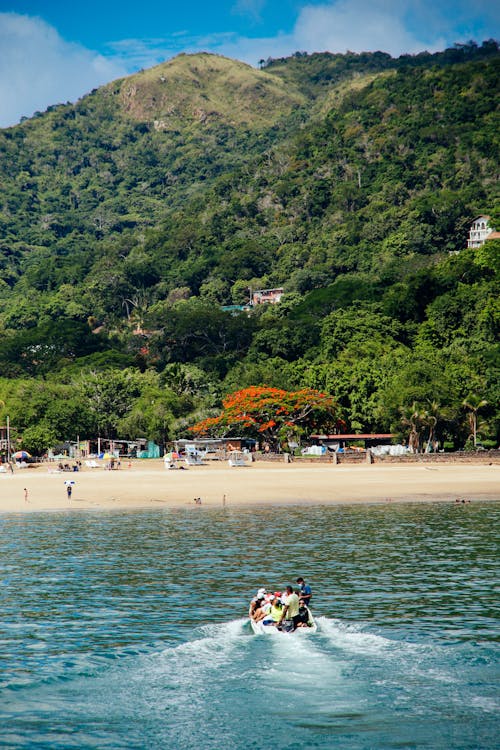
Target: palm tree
[414, 418]
[431, 416]
[473, 404]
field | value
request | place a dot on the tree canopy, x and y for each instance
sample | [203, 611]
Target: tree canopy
[271, 413]
[136, 223]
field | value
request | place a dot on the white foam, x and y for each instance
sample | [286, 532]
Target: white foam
[352, 638]
[300, 662]
[486, 704]
[213, 649]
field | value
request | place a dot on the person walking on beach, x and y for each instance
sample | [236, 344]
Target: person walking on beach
[69, 490]
[26, 495]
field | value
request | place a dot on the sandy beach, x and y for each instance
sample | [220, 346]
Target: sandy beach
[148, 484]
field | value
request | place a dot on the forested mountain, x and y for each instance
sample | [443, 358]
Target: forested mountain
[130, 219]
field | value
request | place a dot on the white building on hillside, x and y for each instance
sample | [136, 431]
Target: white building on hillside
[480, 231]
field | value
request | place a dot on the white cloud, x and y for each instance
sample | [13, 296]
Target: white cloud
[39, 68]
[359, 26]
[394, 26]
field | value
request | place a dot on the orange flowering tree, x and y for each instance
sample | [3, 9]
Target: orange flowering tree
[271, 413]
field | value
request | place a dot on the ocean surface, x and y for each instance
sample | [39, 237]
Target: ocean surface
[129, 630]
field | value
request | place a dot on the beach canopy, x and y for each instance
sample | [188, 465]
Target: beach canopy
[21, 454]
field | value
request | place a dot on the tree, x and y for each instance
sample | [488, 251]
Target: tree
[431, 418]
[151, 414]
[272, 413]
[355, 327]
[56, 406]
[419, 418]
[414, 418]
[473, 404]
[41, 349]
[108, 396]
[38, 439]
[195, 329]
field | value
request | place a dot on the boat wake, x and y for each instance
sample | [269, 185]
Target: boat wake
[208, 690]
[353, 638]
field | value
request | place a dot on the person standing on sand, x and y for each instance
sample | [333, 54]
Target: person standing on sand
[26, 495]
[69, 490]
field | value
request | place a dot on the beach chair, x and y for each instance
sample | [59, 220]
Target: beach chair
[237, 458]
[193, 459]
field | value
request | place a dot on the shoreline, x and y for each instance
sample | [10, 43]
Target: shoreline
[257, 485]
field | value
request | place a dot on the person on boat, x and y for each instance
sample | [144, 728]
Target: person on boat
[267, 609]
[272, 611]
[290, 614]
[261, 611]
[256, 602]
[254, 606]
[304, 615]
[305, 592]
[276, 609]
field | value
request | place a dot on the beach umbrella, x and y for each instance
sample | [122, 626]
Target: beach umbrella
[21, 454]
[69, 481]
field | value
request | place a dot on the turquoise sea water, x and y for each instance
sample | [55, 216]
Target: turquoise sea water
[128, 630]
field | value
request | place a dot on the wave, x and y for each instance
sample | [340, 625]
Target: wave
[422, 668]
[213, 690]
[353, 638]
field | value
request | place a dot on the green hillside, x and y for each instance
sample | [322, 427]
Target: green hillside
[129, 219]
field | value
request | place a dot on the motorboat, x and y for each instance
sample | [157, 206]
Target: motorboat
[260, 629]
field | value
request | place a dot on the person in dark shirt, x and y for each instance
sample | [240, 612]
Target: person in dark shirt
[305, 591]
[304, 616]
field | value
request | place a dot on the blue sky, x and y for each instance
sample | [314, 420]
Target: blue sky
[55, 51]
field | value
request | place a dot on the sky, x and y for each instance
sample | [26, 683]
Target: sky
[54, 51]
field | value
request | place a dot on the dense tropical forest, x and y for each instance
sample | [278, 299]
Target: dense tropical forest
[130, 220]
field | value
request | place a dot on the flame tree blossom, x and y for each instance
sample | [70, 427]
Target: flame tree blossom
[272, 413]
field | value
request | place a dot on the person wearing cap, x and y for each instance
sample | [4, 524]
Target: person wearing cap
[261, 611]
[255, 602]
[272, 608]
[290, 615]
[305, 591]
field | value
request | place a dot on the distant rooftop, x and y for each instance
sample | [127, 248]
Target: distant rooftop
[355, 436]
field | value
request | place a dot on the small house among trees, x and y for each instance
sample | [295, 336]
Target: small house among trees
[267, 296]
[481, 231]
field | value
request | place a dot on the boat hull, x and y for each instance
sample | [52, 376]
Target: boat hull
[260, 629]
